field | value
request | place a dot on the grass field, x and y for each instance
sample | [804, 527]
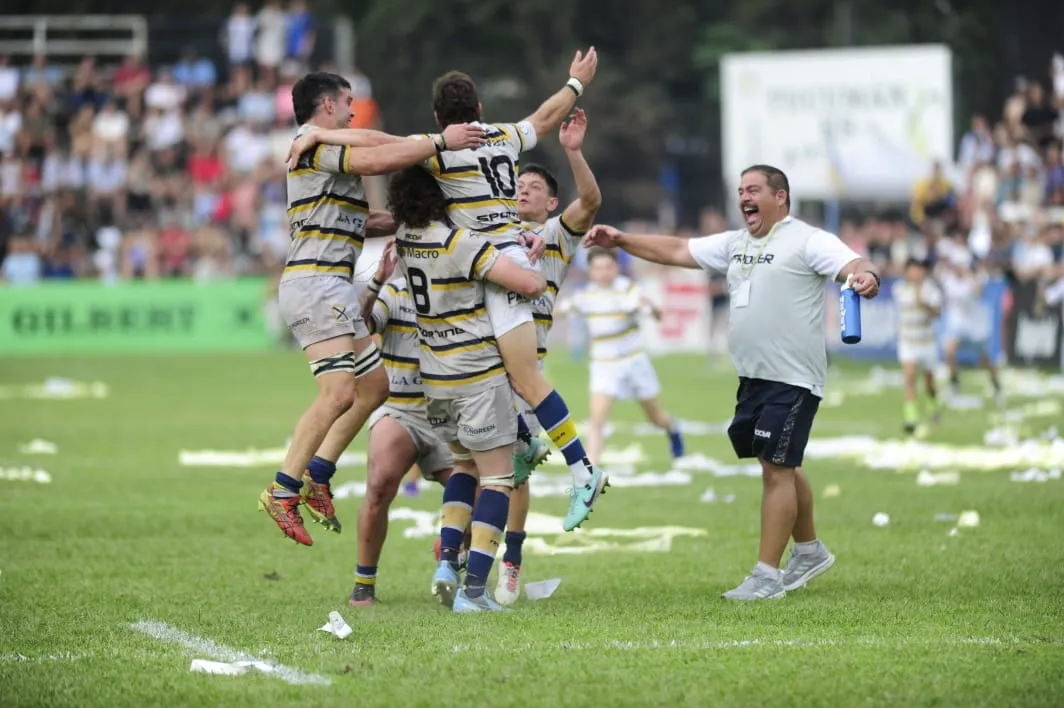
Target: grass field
[124, 536]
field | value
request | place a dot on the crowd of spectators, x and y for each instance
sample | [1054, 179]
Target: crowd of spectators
[124, 170]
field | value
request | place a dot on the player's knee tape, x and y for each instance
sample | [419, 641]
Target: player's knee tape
[343, 361]
[506, 481]
[367, 360]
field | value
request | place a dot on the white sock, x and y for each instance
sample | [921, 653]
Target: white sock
[581, 475]
[807, 548]
[766, 570]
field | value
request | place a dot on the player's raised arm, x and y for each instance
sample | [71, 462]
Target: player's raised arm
[345, 137]
[380, 224]
[370, 298]
[667, 250]
[554, 110]
[579, 215]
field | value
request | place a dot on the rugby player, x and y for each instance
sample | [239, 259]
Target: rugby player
[481, 189]
[537, 198]
[776, 269]
[967, 321]
[470, 402]
[399, 432]
[919, 303]
[620, 369]
[329, 218]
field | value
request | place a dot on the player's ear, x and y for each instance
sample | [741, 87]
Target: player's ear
[552, 204]
[436, 118]
[480, 110]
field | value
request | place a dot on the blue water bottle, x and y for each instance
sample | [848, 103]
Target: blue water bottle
[850, 314]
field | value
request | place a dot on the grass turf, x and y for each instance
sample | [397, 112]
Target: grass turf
[124, 534]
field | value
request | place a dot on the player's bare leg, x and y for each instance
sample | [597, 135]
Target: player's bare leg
[333, 362]
[991, 368]
[911, 413]
[518, 350]
[931, 389]
[371, 390]
[950, 352]
[509, 587]
[598, 416]
[660, 418]
[391, 453]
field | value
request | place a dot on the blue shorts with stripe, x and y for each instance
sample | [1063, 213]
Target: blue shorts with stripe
[772, 421]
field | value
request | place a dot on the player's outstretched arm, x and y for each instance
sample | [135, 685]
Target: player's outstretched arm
[368, 161]
[508, 274]
[343, 137]
[579, 215]
[554, 110]
[667, 250]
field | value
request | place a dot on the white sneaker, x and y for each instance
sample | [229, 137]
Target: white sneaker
[509, 587]
[758, 586]
[803, 567]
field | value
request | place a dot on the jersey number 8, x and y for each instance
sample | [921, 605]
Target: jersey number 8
[419, 290]
[503, 182]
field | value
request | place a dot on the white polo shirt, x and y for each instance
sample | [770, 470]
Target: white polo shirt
[776, 285]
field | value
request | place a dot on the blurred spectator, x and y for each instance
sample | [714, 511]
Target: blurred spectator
[270, 40]
[131, 79]
[110, 130]
[238, 36]
[194, 72]
[932, 196]
[300, 32]
[165, 94]
[9, 79]
[22, 265]
[1032, 258]
[1039, 119]
[1054, 176]
[977, 145]
[42, 74]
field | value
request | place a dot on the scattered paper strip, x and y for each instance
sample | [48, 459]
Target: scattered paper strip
[25, 474]
[56, 388]
[337, 626]
[38, 447]
[542, 589]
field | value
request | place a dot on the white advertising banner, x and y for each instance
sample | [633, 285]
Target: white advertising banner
[859, 123]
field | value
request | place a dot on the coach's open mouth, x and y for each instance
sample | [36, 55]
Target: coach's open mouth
[751, 214]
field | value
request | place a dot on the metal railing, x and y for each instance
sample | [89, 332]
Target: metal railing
[98, 35]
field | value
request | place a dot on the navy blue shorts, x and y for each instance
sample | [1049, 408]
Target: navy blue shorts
[772, 421]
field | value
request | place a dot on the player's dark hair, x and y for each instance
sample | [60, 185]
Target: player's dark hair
[415, 199]
[774, 177]
[534, 169]
[454, 99]
[918, 262]
[599, 252]
[309, 91]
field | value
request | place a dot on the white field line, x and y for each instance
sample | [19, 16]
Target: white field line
[219, 652]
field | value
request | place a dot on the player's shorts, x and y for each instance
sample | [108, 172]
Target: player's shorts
[772, 421]
[625, 379]
[433, 455]
[508, 310]
[320, 307]
[479, 421]
[923, 355]
[967, 330]
[528, 413]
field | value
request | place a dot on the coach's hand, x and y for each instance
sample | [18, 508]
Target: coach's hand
[306, 141]
[864, 284]
[603, 236]
[461, 136]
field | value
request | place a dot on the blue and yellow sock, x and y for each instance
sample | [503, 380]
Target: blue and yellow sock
[458, 498]
[289, 484]
[365, 575]
[553, 415]
[514, 541]
[321, 470]
[489, 519]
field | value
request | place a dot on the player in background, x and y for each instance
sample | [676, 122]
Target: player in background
[967, 321]
[400, 436]
[329, 219]
[470, 402]
[919, 303]
[537, 198]
[620, 369]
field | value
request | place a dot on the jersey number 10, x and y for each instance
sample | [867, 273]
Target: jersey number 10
[503, 182]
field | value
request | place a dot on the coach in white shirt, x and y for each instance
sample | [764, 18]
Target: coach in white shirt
[776, 269]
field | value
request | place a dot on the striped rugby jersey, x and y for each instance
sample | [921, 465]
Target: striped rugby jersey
[395, 320]
[327, 213]
[561, 244]
[444, 269]
[481, 184]
[612, 315]
[916, 325]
